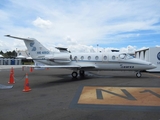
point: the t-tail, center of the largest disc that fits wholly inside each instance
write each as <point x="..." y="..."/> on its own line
<point x="35" y="48"/>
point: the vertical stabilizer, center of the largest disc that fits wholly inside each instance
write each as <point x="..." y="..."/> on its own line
<point x="35" y="48"/>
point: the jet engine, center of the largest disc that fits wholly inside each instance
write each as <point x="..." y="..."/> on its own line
<point x="60" y="58"/>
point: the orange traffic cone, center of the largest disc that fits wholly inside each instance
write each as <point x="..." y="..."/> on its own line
<point x="31" y="69"/>
<point x="12" y="70"/>
<point x="23" y="68"/>
<point x="26" y="84"/>
<point x="11" y="78"/>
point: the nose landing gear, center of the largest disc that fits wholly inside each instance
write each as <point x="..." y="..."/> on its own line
<point x="81" y="73"/>
<point x="138" y="74"/>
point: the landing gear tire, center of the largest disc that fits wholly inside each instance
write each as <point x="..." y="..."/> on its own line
<point x="74" y="74"/>
<point x="138" y="75"/>
<point x="81" y="73"/>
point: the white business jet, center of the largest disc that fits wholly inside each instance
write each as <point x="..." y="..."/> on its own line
<point x="83" y="61"/>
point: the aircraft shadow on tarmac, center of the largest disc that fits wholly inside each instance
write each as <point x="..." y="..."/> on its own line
<point x="91" y="75"/>
<point x="62" y="79"/>
<point x="88" y="75"/>
<point x="67" y="78"/>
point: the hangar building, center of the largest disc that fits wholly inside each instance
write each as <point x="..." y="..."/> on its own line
<point x="10" y="61"/>
<point x="152" y="55"/>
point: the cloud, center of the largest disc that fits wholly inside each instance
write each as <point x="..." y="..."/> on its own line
<point x="82" y="24"/>
<point x="39" y="22"/>
<point x="129" y="49"/>
<point x="71" y="41"/>
<point x="4" y="14"/>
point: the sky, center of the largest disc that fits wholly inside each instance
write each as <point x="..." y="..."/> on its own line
<point x="81" y="25"/>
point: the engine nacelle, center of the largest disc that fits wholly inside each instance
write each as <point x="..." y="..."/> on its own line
<point x="60" y="58"/>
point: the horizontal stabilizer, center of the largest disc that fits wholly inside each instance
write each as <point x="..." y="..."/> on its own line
<point x="61" y="49"/>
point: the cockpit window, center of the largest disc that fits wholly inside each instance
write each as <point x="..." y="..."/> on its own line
<point x="125" y="56"/>
<point x="122" y="56"/>
<point x="129" y="56"/>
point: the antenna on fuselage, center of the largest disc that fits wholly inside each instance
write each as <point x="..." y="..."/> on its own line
<point x="97" y="48"/>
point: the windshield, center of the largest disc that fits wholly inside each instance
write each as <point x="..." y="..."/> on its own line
<point x="125" y="56"/>
<point x="129" y="56"/>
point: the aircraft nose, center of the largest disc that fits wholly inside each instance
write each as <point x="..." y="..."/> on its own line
<point x="153" y="66"/>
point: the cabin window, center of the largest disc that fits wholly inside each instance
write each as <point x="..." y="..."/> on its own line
<point x="89" y="57"/>
<point x="82" y="57"/>
<point x="96" y="57"/>
<point x="113" y="57"/>
<point x="105" y="58"/>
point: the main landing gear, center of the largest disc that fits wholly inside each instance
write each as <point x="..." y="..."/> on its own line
<point x="75" y="73"/>
<point x="138" y="74"/>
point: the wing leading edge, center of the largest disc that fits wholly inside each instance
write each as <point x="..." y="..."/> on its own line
<point x="66" y="66"/>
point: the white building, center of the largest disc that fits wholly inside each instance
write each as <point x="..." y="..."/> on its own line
<point x="10" y="61"/>
<point x="1" y="56"/>
<point x="152" y="55"/>
<point x="23" y="54"/>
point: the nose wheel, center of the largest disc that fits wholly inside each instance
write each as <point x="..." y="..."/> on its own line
<point x="138" y="74"/>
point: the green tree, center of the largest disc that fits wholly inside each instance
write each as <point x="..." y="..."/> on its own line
<point x="10" y="54"/>
<point x="1" y="52"/>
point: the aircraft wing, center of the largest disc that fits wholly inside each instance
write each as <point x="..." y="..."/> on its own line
<point x="67" y="66"/>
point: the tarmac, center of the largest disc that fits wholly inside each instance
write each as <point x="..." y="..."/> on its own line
<point x="103" y="95"/>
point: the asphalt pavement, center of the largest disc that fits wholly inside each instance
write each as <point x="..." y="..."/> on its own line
<point x="55" y="95"/>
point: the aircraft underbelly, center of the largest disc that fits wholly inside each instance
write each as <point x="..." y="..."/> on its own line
<point x="120" y="66"/>
<point x="108" y="66"/>
<point x="93" y="66"/>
